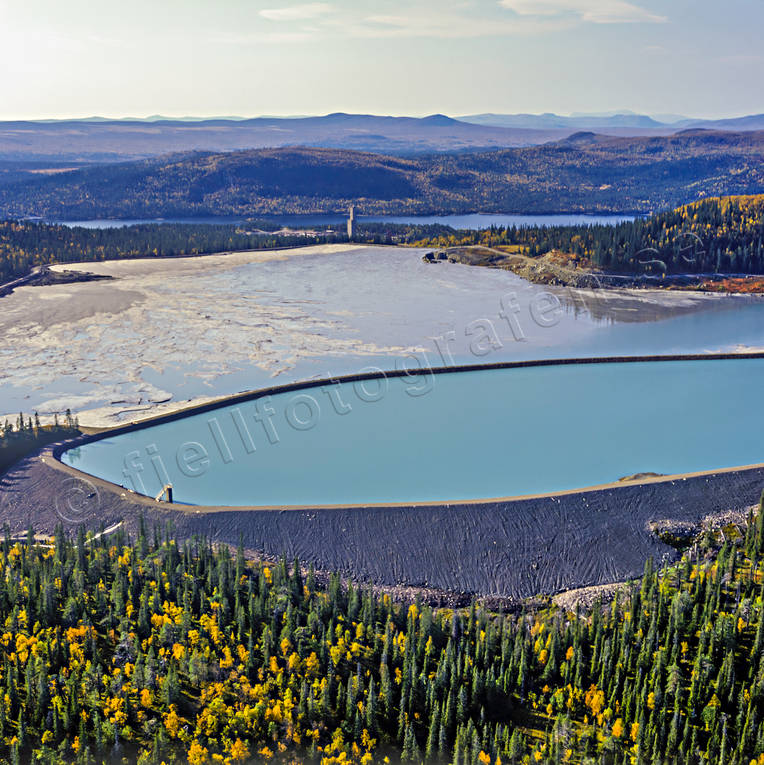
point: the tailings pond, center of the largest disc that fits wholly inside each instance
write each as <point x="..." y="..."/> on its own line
<point x="448" y="437"/>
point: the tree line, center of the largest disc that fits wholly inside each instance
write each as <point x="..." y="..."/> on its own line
<point x="27" y="434"/>
<point x="720" y="235"/>
<point x="151" y="650"/>
<point x="25" y="244"/>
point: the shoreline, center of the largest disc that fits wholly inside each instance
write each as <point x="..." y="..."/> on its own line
<point x="511" y="550"/>
<point x="51" y="457"/>
<point x="108" y="418"/>
<point x="636" y="480"/>
<point x="543" y="270"/>
<point x="579" y="279"/>
<point x="136" y="279"/>
<point x="37" y="272"/>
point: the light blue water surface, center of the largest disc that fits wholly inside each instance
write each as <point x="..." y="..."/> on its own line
<point x="448" y="437"/>
<point x="464" y="221"/>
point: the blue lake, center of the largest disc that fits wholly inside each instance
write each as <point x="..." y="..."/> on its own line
<point x="447" y="437"/>
<point x="466" y="221"/>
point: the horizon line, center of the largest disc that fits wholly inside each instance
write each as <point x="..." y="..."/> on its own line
<point x="598" y="114"/>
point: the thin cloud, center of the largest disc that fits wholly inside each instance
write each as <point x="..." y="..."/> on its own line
<point x="460" y="21"/>
<point x="258" y="38"/>
<point x="594" y="11"/>
<point x="443" y="25"/>
<point x="391" y="26"/>
<point x="297" y="12"/>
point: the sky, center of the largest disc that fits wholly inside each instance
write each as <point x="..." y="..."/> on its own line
<point x="700" y="58"/>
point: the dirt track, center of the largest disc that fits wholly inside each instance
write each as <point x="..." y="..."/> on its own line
<point x="513" y="549"/>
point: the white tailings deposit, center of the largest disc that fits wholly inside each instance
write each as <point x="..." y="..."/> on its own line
<point x="164" y="333"/>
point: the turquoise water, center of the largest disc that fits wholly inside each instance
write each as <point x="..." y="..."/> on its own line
<point x="454" y="436"/>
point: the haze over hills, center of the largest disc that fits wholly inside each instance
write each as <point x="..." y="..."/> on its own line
<point x="585" y="172"/>
<point x="115" y="140"/>
<point x="614" y="121"/>
<point x="550" y="121"/>
<point x="98" y="139"/>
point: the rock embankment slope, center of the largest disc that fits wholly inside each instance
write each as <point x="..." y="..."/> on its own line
<point x="512" y="549"/>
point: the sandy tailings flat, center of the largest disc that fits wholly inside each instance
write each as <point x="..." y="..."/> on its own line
<point x="89" y="346"/>
<point x="165" y="332"/>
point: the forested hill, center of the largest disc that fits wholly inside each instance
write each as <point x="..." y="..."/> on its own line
<point x="156" y="652"/>
<point x="718" y="235"/>
<point x="585" y="172"/>
<point x="715" y="235"/>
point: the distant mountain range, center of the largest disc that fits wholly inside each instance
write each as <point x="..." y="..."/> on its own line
<point x="98" y="139"/>
<point x="584" y="172"/>
<point x="557" y="122"/>
<point x="618" y="121"/>
<point x="116" y="140"/>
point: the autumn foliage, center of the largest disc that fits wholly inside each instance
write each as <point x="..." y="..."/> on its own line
<point x="150" y="651"/>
